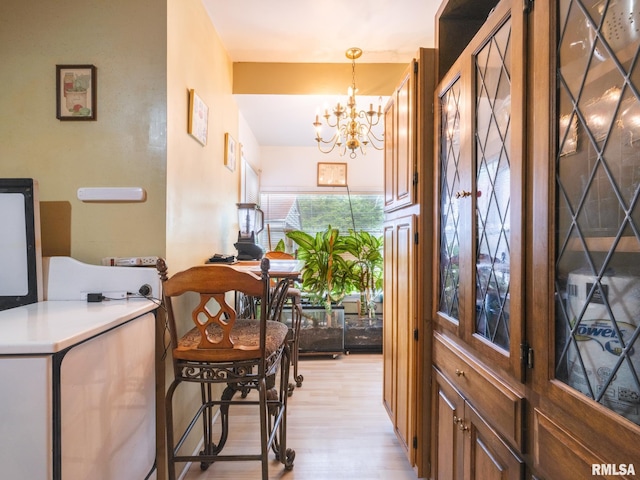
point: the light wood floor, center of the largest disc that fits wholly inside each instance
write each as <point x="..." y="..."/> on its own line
<point x="336" y="424"/>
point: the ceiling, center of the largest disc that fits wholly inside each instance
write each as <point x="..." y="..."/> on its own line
<point x="319" y="31"/>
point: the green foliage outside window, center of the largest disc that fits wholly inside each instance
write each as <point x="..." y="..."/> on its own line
<point x="318" y="211"/>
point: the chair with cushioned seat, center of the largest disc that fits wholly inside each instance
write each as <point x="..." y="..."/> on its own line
<point x="236" y="355"/>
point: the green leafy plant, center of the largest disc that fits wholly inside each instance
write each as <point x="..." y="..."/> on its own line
<point x="366" y="270"/>
<point x="326" y="274"/>
<point x="280" y="247"/>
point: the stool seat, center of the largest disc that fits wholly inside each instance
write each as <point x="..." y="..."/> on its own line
<point x="245" y="336"/>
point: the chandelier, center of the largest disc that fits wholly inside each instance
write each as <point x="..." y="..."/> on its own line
<point x="351" y="128"/>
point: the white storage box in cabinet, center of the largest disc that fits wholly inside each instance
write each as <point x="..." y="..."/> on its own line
<point x="605" y="326"/>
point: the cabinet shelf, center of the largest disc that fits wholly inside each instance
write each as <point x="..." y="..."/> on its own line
<point x="604" y="244"/>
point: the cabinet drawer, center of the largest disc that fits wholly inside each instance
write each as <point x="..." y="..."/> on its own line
<point x="501" y="406"/>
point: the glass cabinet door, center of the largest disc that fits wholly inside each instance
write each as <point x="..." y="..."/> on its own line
<point x="481" y="158"/>
<point x="449" y="300"/>
<point x="493" y="188"/>
<point x="597" y="234"/>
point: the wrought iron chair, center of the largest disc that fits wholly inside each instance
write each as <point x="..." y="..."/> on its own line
<point x="294" y="295"/>
<point x="237" y="354"/>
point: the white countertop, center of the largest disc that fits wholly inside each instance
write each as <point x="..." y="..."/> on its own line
<point x="51" y="326"/>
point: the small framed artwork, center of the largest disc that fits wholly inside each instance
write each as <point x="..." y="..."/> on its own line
<point x="76" y="92"/>
<point x="332" y="174"/>
<point x="230" y="152"/>
<point x="198" y="118"/>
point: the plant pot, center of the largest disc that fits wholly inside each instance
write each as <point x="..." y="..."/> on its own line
<point x="363" y="333"/>
<point x="319" y="332"/>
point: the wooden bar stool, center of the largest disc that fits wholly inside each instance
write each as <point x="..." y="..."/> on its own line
<point x="238" y="354"/>
<point x="295" y="297"/>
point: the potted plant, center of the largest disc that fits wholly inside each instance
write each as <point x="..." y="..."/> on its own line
<point x="324" y="281"/>
<point x="365" y="271"/>
<point x="326" y="273"/>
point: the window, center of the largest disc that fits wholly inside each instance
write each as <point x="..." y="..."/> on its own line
<point x="312" y="212"/>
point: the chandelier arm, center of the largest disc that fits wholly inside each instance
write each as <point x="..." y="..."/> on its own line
<point x="329" y="150"/>
<point x="373" y="136"/>
<point x="332" y="148"/>
<point x="334" y="142"/>
<point x="366" y="116"/>
<point x="341" y="131"/>
<point x="329" y="124"/>
<point x="331" y="141"/>
<point x="372" y="123"/>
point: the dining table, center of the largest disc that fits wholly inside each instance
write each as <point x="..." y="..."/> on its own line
<point x="278" y="269"/>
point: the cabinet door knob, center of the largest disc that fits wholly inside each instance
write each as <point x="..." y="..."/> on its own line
<point x="463" y="194"/>
<point x="462" y="426"/>
<point x="459" y="372"/>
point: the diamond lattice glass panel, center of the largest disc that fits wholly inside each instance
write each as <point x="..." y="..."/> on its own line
<point x="597" y="286"/>
<point x="449" y="185"/>
<point x="575" y="34"/>
<point x="493" y="184"/>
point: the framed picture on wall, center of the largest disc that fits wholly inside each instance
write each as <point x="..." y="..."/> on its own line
<point x="198" y="117"/>
<point x="230" y="152"/>
<point x="76" y="92"/>
<point x="332" y="174"/>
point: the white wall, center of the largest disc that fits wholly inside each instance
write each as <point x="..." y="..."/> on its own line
<point x="295" y="169"/>
<point x="250" y="147"/>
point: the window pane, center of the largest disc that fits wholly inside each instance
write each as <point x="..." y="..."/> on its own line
<point x="312" y="213"/>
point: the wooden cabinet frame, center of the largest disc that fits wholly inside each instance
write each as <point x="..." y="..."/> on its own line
<point x="560" y="416"/>
<point x="408" y="256"/>
<point x="563" y="432"/>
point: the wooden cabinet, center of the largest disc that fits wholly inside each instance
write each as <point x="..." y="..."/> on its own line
<point x="407" y="257"/>
<point x="400" y="143"/>
<point x="479" y="335"/>
<point x="468" y="448"/>
<point x="480" y="191"/>
<point x="536" y="244"/>
<point x="479" y="311"/>
<point x="399" y="356"/>
<point x="584" y="252"/>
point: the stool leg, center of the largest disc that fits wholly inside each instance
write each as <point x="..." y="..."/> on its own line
<point x="171" y="464"/>
<point x="296" y="320"/>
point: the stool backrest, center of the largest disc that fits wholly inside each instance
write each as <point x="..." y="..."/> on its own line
<point x="215" y="284"/>
<point x="273" y="254"/>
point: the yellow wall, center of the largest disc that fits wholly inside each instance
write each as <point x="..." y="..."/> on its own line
<point x="125" y="146"/>
<point x="146" y="62"/>
<point x="148" y="54"/>
<point x="202" y="192"/>
<point x="315" y="78"/>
